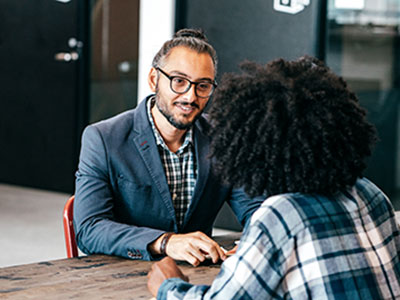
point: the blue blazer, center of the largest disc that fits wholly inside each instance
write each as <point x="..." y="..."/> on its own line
<point x="122" y="200"/>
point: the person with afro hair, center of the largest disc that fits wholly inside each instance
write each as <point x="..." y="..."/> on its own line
<point x="294" y="132"/>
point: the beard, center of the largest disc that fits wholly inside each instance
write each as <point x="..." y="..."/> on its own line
<point x="162" y="107"/>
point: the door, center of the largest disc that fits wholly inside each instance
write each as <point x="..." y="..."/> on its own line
<point x="42" y="112"/>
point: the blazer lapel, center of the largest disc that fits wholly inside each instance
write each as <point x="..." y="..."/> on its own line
<point x="145" y="143"/>
<point x="203" y="163"/>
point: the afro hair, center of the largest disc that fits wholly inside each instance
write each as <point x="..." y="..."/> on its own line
<point x="288" y="126"/>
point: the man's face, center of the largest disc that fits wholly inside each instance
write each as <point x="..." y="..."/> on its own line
<point x="181" y="110"/>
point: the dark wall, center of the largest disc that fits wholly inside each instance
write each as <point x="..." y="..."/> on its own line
<point x="253" y="30"/>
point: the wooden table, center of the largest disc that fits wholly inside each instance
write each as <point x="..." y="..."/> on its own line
<point x="93" y="277"/>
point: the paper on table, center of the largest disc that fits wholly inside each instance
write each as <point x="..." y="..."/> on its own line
<point x="230" y="252"/>
<point x="227" y="252"/>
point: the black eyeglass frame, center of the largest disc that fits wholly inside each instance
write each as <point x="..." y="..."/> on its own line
<point x="213" y="83"/>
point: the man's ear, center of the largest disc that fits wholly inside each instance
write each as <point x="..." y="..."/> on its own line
<point x="152" y="79"/>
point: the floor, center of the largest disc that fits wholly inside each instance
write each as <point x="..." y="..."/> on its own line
<point x="31" y="227"/>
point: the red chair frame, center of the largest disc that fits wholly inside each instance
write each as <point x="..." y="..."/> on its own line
<point x="69" y="232"/>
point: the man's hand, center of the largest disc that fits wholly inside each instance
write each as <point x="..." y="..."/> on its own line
<point x="164" y="269"/>
<point x="192" y="247"/>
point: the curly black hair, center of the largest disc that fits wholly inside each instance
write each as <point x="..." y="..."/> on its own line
<point x="288" y="126"/>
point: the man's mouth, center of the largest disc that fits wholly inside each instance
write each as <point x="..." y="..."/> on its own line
<point x="187" y="108"/>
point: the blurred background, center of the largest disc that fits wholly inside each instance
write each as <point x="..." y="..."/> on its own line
<point x="68" y="63"/>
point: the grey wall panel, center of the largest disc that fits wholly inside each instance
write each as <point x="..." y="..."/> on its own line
<point x="253" y="30"/>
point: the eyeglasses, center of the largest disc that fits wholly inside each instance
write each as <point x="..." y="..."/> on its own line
<point x="181" y="85"/>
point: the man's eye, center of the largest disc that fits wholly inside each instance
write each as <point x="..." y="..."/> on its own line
<point x="179" y="81"/>
<point x="204" y="86"/>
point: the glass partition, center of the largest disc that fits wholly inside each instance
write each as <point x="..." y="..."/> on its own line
<point x="363" y="46"/>
<point x="114" y="37"/>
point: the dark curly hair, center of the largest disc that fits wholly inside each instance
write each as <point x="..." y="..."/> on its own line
<point x="289" y="126"/>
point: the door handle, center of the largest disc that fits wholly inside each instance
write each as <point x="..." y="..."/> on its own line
<point x="66" y="56"/>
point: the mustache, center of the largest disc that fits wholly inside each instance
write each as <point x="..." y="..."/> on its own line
<point x="187" y="103"/>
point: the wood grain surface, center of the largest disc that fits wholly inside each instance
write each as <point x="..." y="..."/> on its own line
<point x="92" y="277"/>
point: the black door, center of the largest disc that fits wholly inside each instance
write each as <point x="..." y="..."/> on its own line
<point x="42" y="107"/>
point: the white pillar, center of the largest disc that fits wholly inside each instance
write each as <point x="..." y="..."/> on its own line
<point x="156" y="25"/>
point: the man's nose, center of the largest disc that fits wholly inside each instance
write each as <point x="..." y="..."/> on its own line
<point x="190" y="95"/>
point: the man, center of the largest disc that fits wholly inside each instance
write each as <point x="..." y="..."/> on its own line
<point x="298" y="135"/>
<point x="144" y="186"/>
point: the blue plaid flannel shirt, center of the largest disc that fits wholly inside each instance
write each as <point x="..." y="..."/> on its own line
<point x="300" y="246"/>
<point x="180" y="168"/>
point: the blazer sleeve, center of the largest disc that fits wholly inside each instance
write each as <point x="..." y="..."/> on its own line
<point x="96" y="229"/>
<point x="243" y="206"/>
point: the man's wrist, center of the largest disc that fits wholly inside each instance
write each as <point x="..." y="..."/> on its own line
<point x="155" y="246"/>
<point x="164" y="242"/>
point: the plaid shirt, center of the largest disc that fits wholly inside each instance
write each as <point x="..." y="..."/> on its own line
<point x="179" y="168"/>
<point x="310" y="247"/>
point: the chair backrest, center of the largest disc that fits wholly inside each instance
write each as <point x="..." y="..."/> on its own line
<point x="69" y="232"/>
